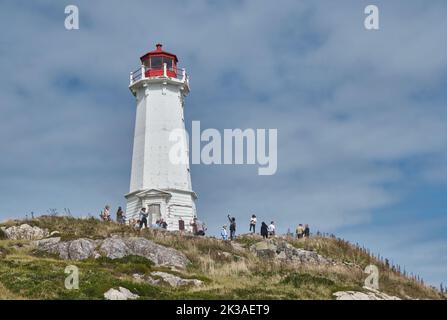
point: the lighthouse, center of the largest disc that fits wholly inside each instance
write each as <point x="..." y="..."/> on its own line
<point x="161" y="186"/>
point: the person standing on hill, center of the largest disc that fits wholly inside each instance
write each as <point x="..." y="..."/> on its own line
<point x="193" y="224"/>
<point x="306" y="231"/>
<point x="232" y="227"/>
<point x="143" y="218"/>
<point x="224" y="233"/>
<point x="272" y="229"/>
<point x="105" y="214"/>
<point x="201" y="228"/>
<point x="253" y="223"/>
<point x="299" y="231"/>
<point x="120" y="215"/>
<point x="264" y="230"/>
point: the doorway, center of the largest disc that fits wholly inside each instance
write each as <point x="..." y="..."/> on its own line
<point x="154" y="213"/>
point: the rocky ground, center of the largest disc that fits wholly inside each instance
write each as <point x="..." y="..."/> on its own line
<point x="116" y="262"/>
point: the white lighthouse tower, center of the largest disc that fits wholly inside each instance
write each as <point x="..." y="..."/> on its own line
<point x="159" y="185"/>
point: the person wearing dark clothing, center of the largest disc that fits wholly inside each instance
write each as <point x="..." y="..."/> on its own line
<point x="201" y="228"/>
<point x="198" y="227"/>
<point x="306" y="231"/>
<point x="232" y="227"/>
<point x="264" y="230"/>
<point x="162" y="223"/>
<point x="120" y="215"/>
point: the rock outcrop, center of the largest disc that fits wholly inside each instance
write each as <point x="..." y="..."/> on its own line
<point x="120" y="294"/>
<point x="157" y="277"/>
<point x="282" y="251"/>
<point x="148" y="279"/>
<point x="25" y="232"/>
<point x="176" y="281"/>
<point x="113" y="248"/>
<point x="370" y="294"/>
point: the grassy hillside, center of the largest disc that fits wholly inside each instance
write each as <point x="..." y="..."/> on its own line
<point x="229" y="270"/>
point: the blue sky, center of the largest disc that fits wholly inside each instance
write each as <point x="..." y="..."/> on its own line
<point x="361" y="115"/>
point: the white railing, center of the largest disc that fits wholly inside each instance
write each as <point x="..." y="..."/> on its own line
<point x="164" y="72"/>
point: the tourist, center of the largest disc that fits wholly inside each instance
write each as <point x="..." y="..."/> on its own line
<point x="201" y="228"/>
<point x="299" y="231"/>
<point x="264" y="230"/>
<point x="271" y="229"/>
<point x="193" y="224"/>
<point x="105" y="214"/>
<point x="224" y="233"/>
<point x="143" y="218"/>
<point x="134" y="223"/>
<point x="198" y="227"/>
<point x="253" y="223"/>
<point x="232" y="227"/>
<point x="306" y="231"/>
<point x="120" y="215"/>
<point x="163" y="224"/>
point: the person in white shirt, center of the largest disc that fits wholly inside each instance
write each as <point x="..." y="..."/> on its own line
<point x="105" y="214"/>
<point x="143" y="217"/>
<point x="224" y="233"/>
<point x="253" y="223"/>
<point x="271" y="229"/>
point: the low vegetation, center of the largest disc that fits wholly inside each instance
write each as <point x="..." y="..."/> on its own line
<point x="228" y="270"/>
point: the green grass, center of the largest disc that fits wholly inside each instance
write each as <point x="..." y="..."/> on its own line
<point x="301" y="279"/>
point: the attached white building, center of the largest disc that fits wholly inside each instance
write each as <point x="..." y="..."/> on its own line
<point x="158" y="184"/>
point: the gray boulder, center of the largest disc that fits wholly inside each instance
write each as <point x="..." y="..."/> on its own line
<point x="175" y="281"/>
<point x="264" y="249"/>
<point x="148" y="279"/>
<point x="158" y="254"/>
<point x="369" y="294"/>
<point x="158" y="277"/>
<point x="120" y="294"/>
<point x="25" y="232"/>
<point x="81" y="249"/>
<point x="113" y="248"/>
<point x="283" y="251"/>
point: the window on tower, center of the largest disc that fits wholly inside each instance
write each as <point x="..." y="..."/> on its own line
<point x="156" y="62"/>
<point x="168" y="62"/>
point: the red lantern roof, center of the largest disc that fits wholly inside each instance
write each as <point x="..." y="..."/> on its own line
<point x="159" y="52"/>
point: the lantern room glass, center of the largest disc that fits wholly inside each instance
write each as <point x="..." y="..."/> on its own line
<point x="168" y="62"/>
<point x="156" y="62"/>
